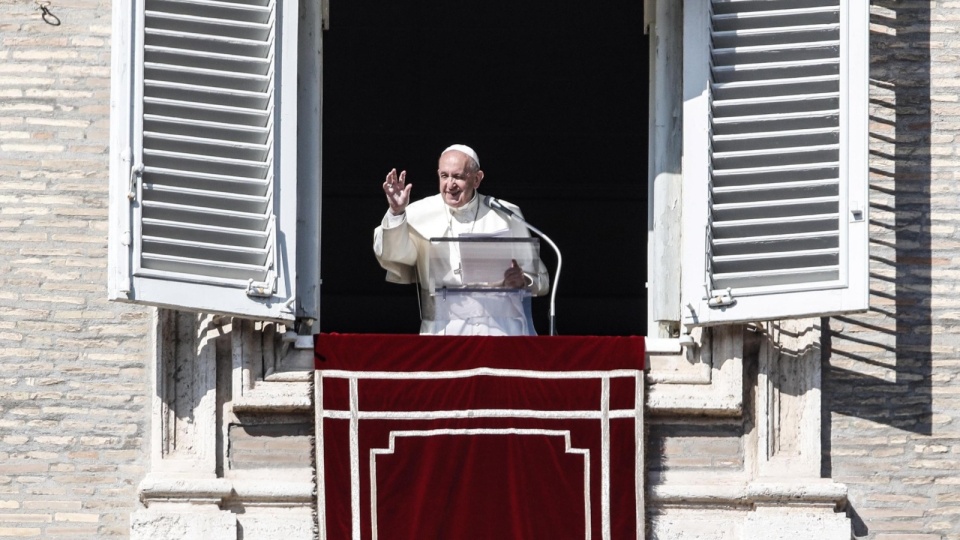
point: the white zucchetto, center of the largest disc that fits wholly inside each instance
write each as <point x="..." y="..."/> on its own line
<point x="464" y="149"/>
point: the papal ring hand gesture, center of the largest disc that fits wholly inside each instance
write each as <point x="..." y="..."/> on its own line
<point x="397" y="191"/>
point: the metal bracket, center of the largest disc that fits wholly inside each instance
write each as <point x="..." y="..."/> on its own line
<point x="721" y="299"/>
<point x="263" y="289"/>
<point x="135" y="172"/>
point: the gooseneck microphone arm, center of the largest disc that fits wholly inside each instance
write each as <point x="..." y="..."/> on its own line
<point x="497" y="205"/>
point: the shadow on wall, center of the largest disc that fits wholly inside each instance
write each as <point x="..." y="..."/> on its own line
<point x="881" y="362"/>
<point x="880" y="369"/>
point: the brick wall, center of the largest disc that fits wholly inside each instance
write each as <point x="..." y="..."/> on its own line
<point x="73" y="384"/>
<point x="892" y="384"/>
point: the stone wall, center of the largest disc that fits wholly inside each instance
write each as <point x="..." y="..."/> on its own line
<point x="892" y="383"/>
<point x="73" y="386"/>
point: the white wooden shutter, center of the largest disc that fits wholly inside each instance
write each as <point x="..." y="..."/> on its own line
<point x="204" y="176"/>
<point x="775" y="159"/>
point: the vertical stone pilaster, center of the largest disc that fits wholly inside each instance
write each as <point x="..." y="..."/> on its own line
<point x="790" y="499"/>
<point x="788" y="401"/>
<point x="185" y="394"/>
<point x="182" y="494"/>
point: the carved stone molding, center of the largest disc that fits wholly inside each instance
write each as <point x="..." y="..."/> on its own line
<point x="204" y="365"/>
<point x="778" y="492"/>
<point x="268" y="372"/>
<point x="705" y="378"/>
<point x="788" y="400"/>
<point x="185" y="395"/>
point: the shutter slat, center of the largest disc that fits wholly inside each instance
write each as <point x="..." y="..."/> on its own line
<point x="188" y="165"/>
<point x="187" y="214"/>
<point x="205" y="232"/>
<point x="220" y="149"/>
<point x="186" y="249"/>
<point x="785" y="172"/>
<point x="719" y="70"/>
<point x="199" y="76"/>
<point x="213" y="112"/>
<point x="782" y="209"/>
<point x="747" y="37"/>
<point x="788" y="220"/>
<point x="255" y="26"/>
<point x="767" y="192"/>
<point x="245" y="250"/>
<point x="209" y="130"/>
<point x="185" y="58"/>
<point x="208" y="42"/>
<point x="231" y="10"/>
<point x="799" y="48"/>
<point x="208" y="181"/>
<point x="775" y="18"/>
<point x="744" y="228"/>
<point x="770" y="88"/>
<point x="745" y="13"/>
<point x="784" y="117"/>
<point x="204" y="164"/>
<point x="777" y="100"/>
<point x="222" y="200"/>
<point x="773" y="256"/>
<point x="220" y="269"/>
<point x="747" y="141"/>
<point x="771" y="157"/>
<point x="832" y="130"/>
<point x="774" y="243"/>
<point x="163" y="90"/>
<point x="192" y="26"/>
<point x="792" y="276"/>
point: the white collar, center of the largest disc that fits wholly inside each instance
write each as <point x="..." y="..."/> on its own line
<point x="467" y="211"/>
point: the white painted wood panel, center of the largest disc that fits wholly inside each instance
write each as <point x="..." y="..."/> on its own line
<point x="774" y="170"/>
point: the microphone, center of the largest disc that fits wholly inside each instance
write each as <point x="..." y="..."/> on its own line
<point x="499" y="206"/>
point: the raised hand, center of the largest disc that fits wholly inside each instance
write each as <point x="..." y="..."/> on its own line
<point x="397" y="191"/>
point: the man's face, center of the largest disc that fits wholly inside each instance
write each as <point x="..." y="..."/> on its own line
<point x="458" y="180"/>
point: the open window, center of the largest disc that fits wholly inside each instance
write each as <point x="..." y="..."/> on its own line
<point x="215" y="150"/>
<point x="774" y="159"/>
<point x="214" y="207"/>
<point x="215" y="160"/>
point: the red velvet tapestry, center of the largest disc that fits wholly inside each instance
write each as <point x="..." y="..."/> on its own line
<point x="425" y="437"/>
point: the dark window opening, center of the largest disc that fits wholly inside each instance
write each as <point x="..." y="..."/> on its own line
<point x="553" y="97"/>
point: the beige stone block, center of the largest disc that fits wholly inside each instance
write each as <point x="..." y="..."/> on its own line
<point x="896" y="536"/>
<point x="17" y="532"/>
<point x="208" y="525"/>
<point x="25" y="518"/>
<point x="76" y="517"/>
<point x="880" y="513"/>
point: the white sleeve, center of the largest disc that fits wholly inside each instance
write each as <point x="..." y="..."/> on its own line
<point x="391" y="221"/>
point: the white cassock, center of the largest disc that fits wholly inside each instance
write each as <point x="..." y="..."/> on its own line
<point x="402" y="246"/>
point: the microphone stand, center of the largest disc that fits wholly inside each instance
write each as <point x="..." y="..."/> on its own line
<point x="497" y="205"/>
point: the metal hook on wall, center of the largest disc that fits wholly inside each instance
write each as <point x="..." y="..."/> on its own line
<point x="47" y="16"/>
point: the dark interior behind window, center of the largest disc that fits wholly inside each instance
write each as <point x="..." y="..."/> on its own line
<point x="551" y="94"/>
